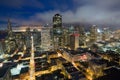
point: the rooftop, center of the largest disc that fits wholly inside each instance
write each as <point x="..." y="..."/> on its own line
<point x="3" y="71"/>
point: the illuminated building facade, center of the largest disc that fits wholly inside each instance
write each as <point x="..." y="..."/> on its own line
<point x="57" y="21"/>
<point x="20" y="40"/>
<point x="10" y="42"/>
<point x="45" y="39"/>
<point x="37" y="37"/>
<point x="66" y="37"/>
<point x="93" y="33"/>
<point x="82" y="37"/>
<point x="28" y="38"/>
<point x="57" y="31"/>
<point x="106" y="34"/>
<point x="2" y="47"/>
<point x="74" y="41"/>
<point x="9" y="29"/>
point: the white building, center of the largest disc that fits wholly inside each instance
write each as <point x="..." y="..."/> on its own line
<point x="45" y="39"/>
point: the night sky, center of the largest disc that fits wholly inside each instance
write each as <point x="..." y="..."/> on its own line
<point x="26" y="12"/>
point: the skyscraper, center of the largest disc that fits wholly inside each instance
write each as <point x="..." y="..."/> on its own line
<point x="2" y="47"/>
<point x="57" y="25"/>
<point x="66" y="37"/>
<point x="28" y="38"/>
<point x="82" y="37"/>
<point x="45" y="39"/>
<point x="57" y="31"/>
<point x="93" y="33"/>
<point x="9" y="29"/>
<point x="36" y="36"/>
<point x="57" y="21"/>
<point x="9" y="25"/>
<point x="106" y="34"/>
<point x="74" y="41"/>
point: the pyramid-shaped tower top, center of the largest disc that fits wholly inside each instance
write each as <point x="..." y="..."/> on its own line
<point x="9" y="25"/>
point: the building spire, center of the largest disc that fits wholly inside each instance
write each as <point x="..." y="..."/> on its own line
<point x="9" y="25"/>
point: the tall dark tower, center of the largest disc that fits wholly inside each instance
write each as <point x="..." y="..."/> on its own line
<point x="57" y="21"/>
<point x="57" y="25"/>
<point x="9" y="26"/>
<point x="57" y="31"/>
<point x="9" y="29"/>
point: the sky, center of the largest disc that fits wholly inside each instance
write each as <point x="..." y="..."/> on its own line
<point x="25" y="12"/>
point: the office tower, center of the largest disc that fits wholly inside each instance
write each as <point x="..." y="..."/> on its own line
<point x="81" y="31"/>
<point x="45" y="39"/>
<point x="10" y="45"/>
<point x="82" y="37"/>
<point x="19" y="39"/>
<point x="37" y="39"/>
<point x="36" y="36"/>
<point x="28" y="38"/>
<point x="93" y="33"/>
<point x="106" y="34"/>
<point x="2" y="47"/>
<point x="71" y="29"/>
<point x="57" y="25"/>
<point x="66" y="37"/>
<point x="9" y="29"/>
<point x="57" y="21"/>
<point x="57" y="31"/>
<point x="74" y="41"/>
<point x="9" y="26"/>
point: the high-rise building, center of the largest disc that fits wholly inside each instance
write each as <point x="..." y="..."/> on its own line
<point x="9" y="29"/>
<point x="57" y="25"/>
<point x="37" y="37"/>
<point x="45" y="39"/>
<point x="57" y="21"/>
<point x="82" y="37"/>
<point x="106" y="34"/>
<point x="2" y="47"/>
<point x="71" y="29"/>
<point x="20" y="40"/>
<point x="74" y="41"/>
<point x="66" y="37"/>
<point x="57" y="31"/>
<point x="93" y="33"/>
<point x="28" y="38"/>
<point x="10" y="45"/>
<point x="9" y="25"/>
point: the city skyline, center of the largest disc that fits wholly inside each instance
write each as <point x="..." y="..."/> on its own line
<point x="59" y="53"/>
<point x="103" y="12"/>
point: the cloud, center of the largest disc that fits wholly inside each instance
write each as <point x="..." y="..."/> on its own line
<point x="98" y="12"/>
<point x="21" y="3"/>
<point x="93" y="12"/>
